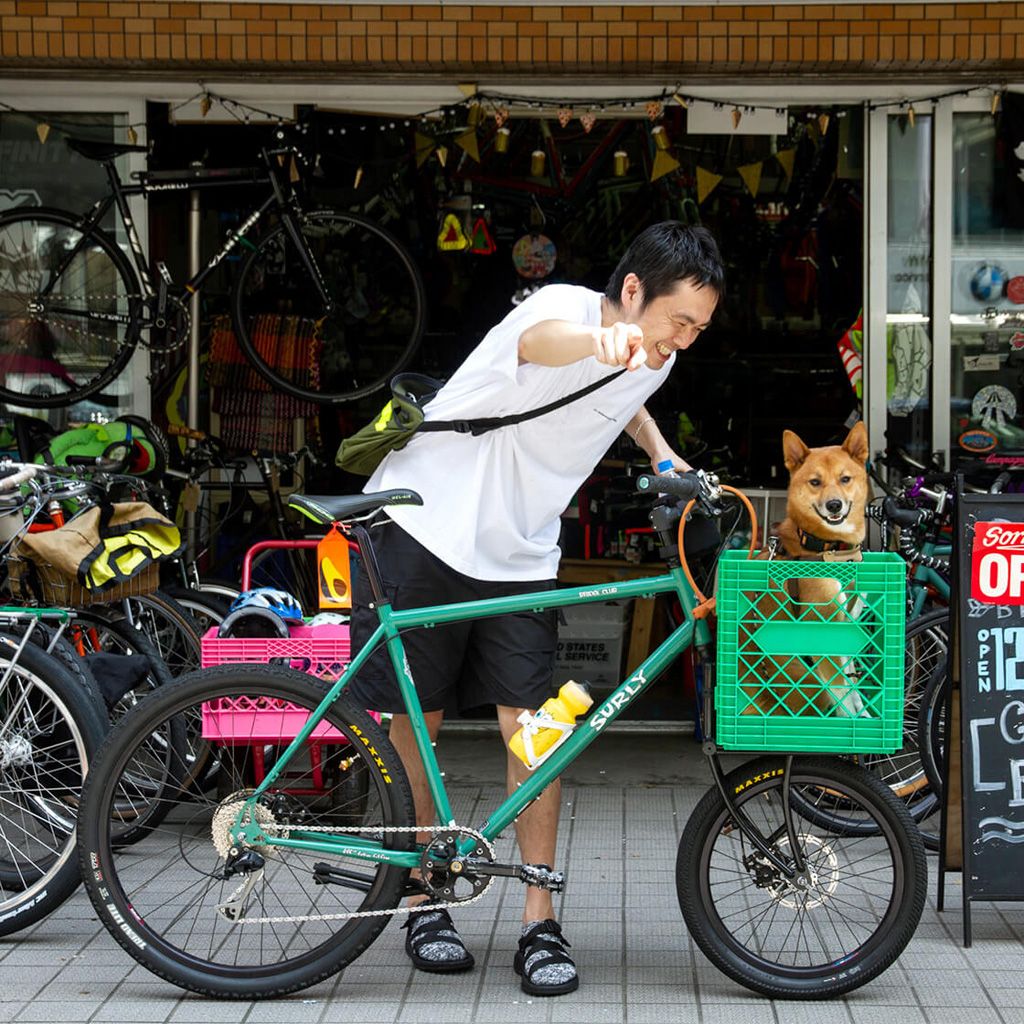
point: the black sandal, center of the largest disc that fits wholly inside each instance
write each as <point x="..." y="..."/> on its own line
<point x="545" y="946"/>
<point x="430" y="926"/>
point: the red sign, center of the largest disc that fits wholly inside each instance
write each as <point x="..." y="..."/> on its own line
<point x="1015" y="290"/>
<point x="997" y="563"/>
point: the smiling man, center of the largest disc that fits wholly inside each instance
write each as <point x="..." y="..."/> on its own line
<point x="489" y="526"/>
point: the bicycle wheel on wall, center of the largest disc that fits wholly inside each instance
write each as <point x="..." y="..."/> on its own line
<point x="70" y="309"/>
<point x="290" y="926"/>
<point x="351" y="350"/>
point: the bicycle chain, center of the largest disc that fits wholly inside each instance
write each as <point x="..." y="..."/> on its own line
<point x="391" y="912"/>
<point x="182" y="308"/>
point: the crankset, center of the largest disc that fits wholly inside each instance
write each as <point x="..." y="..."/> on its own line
<point x="166" y="327"/>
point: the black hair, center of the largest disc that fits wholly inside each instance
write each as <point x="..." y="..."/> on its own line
<point x="665" y="254"/>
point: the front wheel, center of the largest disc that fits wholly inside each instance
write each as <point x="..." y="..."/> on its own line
<point x="281" y="921"/>
<point x="342" y="351"/>
<point x="815" y="936"/>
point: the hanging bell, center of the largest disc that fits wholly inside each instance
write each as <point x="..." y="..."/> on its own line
<point x="620" y="163"/>
<point x="537" y="160"/>
<point x="501" y="140"/>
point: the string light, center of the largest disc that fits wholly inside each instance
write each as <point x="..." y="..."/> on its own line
<point x="245" y="112"/>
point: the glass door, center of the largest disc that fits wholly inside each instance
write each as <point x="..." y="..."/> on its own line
<point x="986" y="294"/>
<point x="908" y="319"/>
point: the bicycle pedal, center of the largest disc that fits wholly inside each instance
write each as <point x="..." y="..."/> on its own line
<point x="540" y="876"/>
<point x="165" y="274"/>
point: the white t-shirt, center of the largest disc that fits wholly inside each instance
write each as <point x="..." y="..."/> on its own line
<point x="491" y="504"/>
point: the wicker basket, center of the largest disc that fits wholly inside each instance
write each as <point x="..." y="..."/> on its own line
<point x="39" y="583"/>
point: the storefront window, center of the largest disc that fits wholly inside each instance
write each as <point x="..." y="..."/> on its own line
<point x="908" y="299"/>
<point x="38" y="169"/>
<point x="987" y="300"/>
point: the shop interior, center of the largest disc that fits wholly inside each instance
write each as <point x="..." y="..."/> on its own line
<point x="492" y="199"/>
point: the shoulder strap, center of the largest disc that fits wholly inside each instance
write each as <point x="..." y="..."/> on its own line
<point x="482" y="426"/>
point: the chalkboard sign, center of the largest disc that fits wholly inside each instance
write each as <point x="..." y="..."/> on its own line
<point x="990" y="642"/>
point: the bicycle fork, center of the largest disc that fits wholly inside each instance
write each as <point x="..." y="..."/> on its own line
<point x="794" y="870"/>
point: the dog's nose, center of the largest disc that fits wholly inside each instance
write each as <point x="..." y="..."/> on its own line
<point x="834" y="506"/>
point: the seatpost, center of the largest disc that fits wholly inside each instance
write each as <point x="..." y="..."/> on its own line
<point x="369" y="560"/>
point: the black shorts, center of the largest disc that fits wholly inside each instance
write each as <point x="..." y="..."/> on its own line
<point x="502" y="659"/>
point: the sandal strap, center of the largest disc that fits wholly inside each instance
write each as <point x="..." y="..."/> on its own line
<point x="544" y="955"/>
<point x="537" y="933"/>
<point x="435" y="919"/>
<point x="543" y="946"/>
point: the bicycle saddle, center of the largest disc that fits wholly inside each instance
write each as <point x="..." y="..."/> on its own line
<point x="325" y="509"/>
<point x="103" y="150"/>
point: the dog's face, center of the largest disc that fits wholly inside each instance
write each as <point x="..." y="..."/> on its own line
<point x="828" y="487"/>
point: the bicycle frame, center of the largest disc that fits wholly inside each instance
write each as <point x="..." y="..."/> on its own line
<point x="388" y="631"/>
<point x="281" y="197"/>
<point x="921" y="578"/>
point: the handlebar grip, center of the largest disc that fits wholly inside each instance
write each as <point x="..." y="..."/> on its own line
<point x="902" y="516"/>
<point x="685" y="487"/>
<point x="179" y="430"/>
<point x="18" y="477"/>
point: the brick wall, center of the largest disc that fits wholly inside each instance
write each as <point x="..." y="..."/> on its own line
<point x="355" y="39"/>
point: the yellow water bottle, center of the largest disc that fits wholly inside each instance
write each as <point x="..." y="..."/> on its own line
<point x="550" y="725"/>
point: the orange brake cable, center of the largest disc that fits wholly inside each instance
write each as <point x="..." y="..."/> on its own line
<point x="705" y="605"/>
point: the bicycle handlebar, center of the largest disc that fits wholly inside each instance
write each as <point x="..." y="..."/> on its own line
<point x="903" y="516"/>
<point x="686" y="487"/>
<point x="15" y="474"/>
<point x="179" y="430"/>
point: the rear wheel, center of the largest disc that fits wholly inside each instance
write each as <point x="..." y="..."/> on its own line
<point x="815" y="936"/>
<point x="70" y="309"/>
<point x="289" y="928"/>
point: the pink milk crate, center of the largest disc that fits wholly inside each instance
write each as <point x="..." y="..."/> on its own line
<point x="322" y="651"/>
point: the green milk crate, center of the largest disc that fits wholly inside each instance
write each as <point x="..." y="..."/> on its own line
<point x="823" y="678"/>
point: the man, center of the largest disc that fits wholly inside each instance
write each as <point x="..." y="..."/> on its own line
<point x="489" y="526"/>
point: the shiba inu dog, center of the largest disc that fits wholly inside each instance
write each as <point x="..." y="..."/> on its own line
<point x="825" y="521"/>
<point x="827" y="495"/>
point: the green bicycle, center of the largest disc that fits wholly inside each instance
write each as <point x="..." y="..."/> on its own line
<point x="799" y="877"/>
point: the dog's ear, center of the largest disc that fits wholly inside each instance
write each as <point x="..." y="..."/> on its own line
<point x="794" y="451"/>
<point x="856" y="443"/>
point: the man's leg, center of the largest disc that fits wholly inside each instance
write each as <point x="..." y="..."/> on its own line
<point x="537" y="826"/>
<point x="432" y="942"/>
<point x="401" y="736"/>
<point x="543" y="960"/>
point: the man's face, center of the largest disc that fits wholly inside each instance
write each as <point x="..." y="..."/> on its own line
<point x="670" y="322"/>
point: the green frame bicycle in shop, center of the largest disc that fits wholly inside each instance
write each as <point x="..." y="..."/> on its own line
<point x="789" y="838"/>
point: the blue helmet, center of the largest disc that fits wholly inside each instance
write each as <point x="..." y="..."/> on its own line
<point x="280" y="602"/>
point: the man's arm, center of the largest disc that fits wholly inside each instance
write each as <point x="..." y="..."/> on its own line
<point x="559" y="342"/>
<point x="644" y="432"/>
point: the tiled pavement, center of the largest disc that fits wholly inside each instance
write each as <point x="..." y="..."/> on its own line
<point x="620" y="912"/>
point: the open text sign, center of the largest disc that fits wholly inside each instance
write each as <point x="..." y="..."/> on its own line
<point x="997" y="563"/>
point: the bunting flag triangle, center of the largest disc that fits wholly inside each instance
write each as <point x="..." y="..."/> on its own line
<point x="751" y="175"/>
<point x="664" y="163"/>
<point x="424" y="147"/>
<point x="706" y="184"/>
<point x="451" y="237"/>
<point x="786" y="158"/>
<point x="467" y="141"/>
<point x="481" y="241"/>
